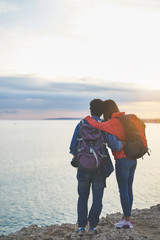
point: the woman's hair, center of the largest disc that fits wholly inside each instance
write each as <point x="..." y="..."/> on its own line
<point x="109" y="107"/>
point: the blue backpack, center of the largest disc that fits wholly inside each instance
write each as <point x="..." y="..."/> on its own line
<point x="90" y="152"/>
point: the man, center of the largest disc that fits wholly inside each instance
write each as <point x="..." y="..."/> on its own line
<point x="95" y="178"/>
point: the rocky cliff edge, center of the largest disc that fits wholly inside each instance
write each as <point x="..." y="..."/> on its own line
<point x="146" y="226"/>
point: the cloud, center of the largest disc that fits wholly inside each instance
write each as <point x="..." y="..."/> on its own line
<point x="8" y="112"/>
<point x="26" y="92"/>
<point x="80" y="38"/>
<point x="88" y="49"/>
<point x="58" y="17"/>
<point x="6" y="7"/>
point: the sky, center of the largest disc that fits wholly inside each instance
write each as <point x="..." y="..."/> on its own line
<point x="58" y="55"/>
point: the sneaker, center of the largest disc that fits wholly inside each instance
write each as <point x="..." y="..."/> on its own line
<point x="92" y="231"/>
<point x="80" y="231"/>
<point x="124" y="224"/>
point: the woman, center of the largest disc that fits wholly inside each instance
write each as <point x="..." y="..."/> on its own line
<point x="125" y="168"/>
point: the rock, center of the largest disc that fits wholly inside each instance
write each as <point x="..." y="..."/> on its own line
<point x="146" y="227"/>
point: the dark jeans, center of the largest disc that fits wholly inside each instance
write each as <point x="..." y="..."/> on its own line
<point x="85" y="180"/>
<point x="125" y="170"/>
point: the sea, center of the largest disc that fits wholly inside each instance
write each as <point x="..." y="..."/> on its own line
<point x="38" y="185"/>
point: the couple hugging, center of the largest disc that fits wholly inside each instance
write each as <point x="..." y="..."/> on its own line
<point x="113" y="135"/>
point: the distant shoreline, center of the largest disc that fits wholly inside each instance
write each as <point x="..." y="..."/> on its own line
<point x="67" y="118"/>
<point x="151" y="120"/>
<point x="144" y="120"/>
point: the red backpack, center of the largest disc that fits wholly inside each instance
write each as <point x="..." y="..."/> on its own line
<point x="135" y="138"/>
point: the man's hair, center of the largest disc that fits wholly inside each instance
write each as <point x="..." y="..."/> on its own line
<point x="96" y="107"/>
<point x="109" y="107"/>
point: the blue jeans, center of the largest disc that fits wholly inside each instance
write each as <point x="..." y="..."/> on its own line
<point x="85" y="180"/>
<point x="125" y="170"/>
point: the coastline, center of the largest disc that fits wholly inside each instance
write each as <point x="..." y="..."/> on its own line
<point x="146" y="120"/>
<point x="146" y="226"/>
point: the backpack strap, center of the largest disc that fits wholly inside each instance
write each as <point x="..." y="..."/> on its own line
<point x="94" y="153"/>
<point x="80" y="139"/>
<point x="82" y="122"/>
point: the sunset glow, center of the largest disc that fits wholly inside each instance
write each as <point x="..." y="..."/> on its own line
<point x="58" y="54"/>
